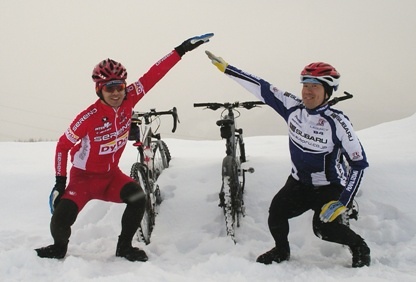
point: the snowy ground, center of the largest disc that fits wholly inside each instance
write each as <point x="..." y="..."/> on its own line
<point x="189" y="242"/>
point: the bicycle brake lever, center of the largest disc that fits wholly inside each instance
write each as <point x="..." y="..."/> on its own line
<point x="216" y="106"/>
<point x="175" y="119"/>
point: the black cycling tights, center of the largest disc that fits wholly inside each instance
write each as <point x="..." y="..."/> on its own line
<point x="296" y="198"/>
<point x="66" y="213"/>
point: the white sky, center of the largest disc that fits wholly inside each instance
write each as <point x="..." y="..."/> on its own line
<point x="49" y="48"/>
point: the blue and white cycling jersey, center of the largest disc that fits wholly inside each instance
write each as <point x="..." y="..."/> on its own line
<point x="324" y="148"/>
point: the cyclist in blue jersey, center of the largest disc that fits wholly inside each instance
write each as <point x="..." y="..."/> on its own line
<point x="328" y="159"/>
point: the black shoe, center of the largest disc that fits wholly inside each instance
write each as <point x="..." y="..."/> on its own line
<point x="274" y="255"/>
<point x="125" y="250"/>
<point x="52" y="251"/>
<point x="360" y="255"/>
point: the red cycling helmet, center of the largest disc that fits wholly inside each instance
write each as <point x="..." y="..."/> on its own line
<point x="322" y="72"/>
<point x="108" y="70"/>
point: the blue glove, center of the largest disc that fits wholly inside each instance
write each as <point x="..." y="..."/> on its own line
<point x="192" y="43"/>
<point x="57" y="192"/>
<point x="331" y="211"/>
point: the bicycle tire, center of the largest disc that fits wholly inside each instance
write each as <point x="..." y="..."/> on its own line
<point x="160" y="161"/>
<point x="167" y="152"/>
<point x="231" y="195"/>
<point x="241" y="156"/>
<point x="144" y="232"/>
<point x="240" y="147"/>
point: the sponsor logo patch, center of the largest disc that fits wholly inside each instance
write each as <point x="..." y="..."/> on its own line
<point x="113" y="146"/>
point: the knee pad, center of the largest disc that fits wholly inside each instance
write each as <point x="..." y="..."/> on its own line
<point x="132" y="193"/>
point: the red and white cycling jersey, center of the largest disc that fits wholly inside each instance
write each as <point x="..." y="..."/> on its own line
<point x="98" y="135"/>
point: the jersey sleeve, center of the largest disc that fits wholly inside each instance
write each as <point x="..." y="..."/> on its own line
<point x="65" y="143"/>
<point x="355" y="155"/>
<point x="138" y="89"/>
<point x="63" y="147"/>
<point x="276" y="98"/>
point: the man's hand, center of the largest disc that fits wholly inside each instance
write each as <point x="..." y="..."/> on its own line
<point x="57" y="192"/>
<point x="193" y="42"/>
<point x="217" y="61"/>
<point x="331" y="211"/>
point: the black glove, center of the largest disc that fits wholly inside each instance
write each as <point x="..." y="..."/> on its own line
<point x="192" y="43"/>
<point x="57" y="192"/>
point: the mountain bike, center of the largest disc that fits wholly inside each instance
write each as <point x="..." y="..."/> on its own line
<point x="233" y="176"/>
<point x="153" y="157"/>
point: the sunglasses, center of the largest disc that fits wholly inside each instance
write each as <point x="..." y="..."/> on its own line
<point x="113" y="87"/>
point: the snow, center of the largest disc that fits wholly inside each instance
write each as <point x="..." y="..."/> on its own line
<point x="189" y="242"/>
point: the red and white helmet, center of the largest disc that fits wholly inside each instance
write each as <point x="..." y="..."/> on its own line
<point x="108" y="70"/>
<point x="322" y="72"/>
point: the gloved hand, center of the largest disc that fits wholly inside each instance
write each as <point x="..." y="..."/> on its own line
<point x="331" y="211"/>
<point x="57" y="192"/>
<point x="217" y="61"/>
<point x="192" y="43"/>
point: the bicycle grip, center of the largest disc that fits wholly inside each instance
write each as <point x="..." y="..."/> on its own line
<point x="251" y="104"/>
<point x="201" y="105"/>
<point x="211" y="106"/>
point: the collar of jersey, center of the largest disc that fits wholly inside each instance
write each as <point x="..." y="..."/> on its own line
<point x="317" y="110"/>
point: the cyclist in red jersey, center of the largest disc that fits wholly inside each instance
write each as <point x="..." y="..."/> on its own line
<point x="95" y="141"/>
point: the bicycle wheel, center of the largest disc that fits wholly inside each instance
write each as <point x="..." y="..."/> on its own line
<point x="240" y="148"/>
<point x="161" y="158"/>
<point x="240" y="156"/>
<point x="138" y="173"/>
<point x="231" y="195"/>
<point x="167" y="152"/>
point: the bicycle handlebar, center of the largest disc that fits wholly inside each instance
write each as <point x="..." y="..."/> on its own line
<point x="153" y="112"/>
<point x="251" y="104"/>
<point x="339" y="99"/>
<point x="215" y="106"/>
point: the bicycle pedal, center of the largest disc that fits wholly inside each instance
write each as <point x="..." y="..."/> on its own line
<point x="250" y="170"/>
